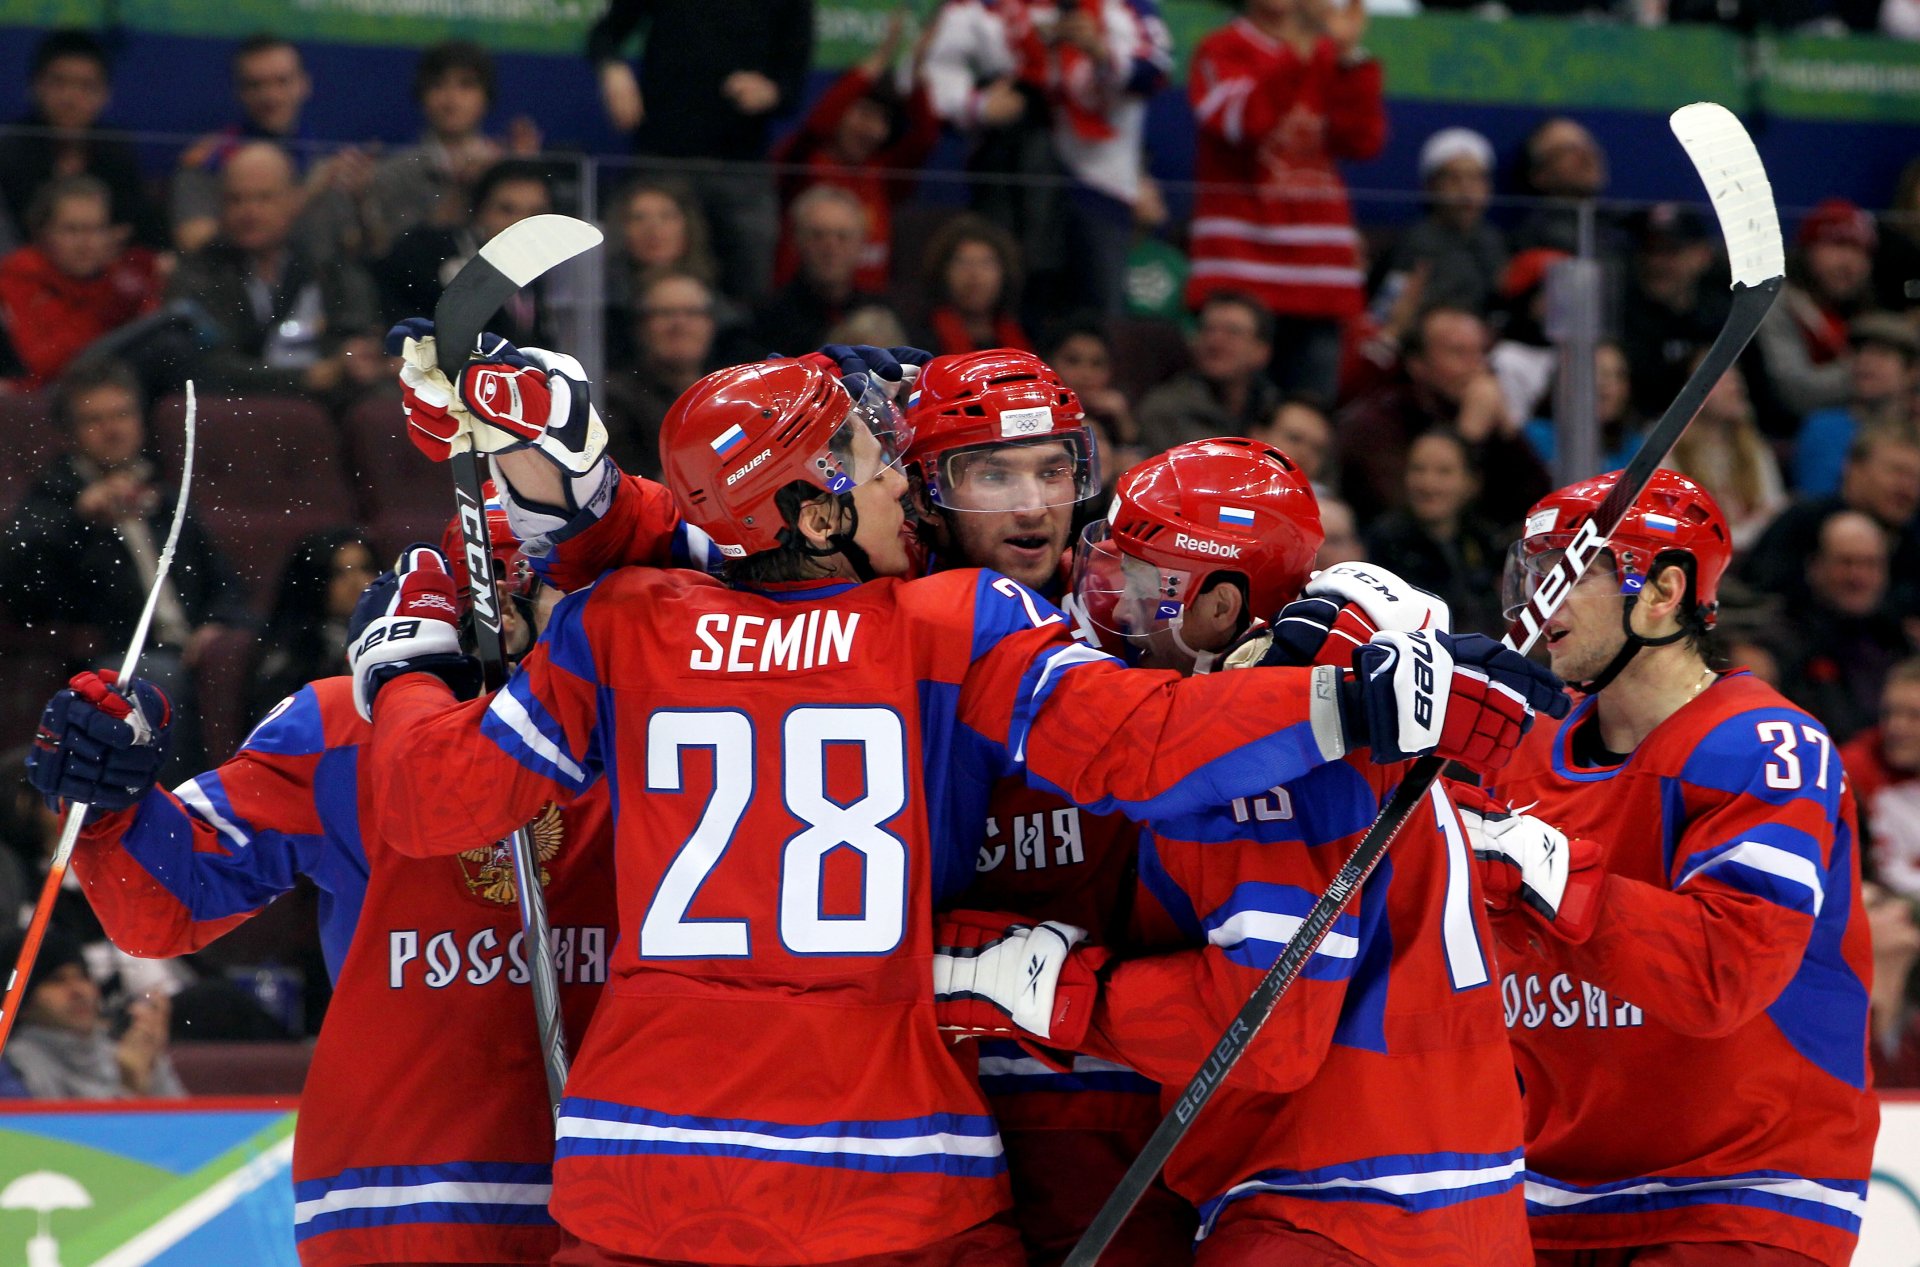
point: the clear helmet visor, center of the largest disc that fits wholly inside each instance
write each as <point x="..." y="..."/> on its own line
<point x="1045" y="471"/>
<point x="1528" y="567"/>
<point x="1127" y="599"/>
<point x="873" y="437"/>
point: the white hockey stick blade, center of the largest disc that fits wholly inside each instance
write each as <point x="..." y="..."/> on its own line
<point x="1742" y="197"/>
<point x="540" y="242"/>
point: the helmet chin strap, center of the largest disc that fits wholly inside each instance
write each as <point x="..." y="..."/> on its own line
<point x="842" y="543"/>
<point x="1203" y="661"/>
<point x="1629" y="649"/>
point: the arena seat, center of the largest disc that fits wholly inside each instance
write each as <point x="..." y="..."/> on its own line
<point x="402" y="496"/>
<point x="268" y="470"/>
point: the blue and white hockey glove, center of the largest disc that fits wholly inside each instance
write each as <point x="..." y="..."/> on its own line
<point x="1466" y="698"/>
<point x="1343" y="607"/>
<point x="98" y="747"/>
<point x="408" y="621"/>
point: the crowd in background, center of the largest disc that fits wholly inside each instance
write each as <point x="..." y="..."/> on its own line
<point x="1409" y="368"/>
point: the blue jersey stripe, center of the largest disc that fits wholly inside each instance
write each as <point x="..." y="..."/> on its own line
<point x="520" y="726"/>
<point x="410" y="1176"/>
<point x="1823" y="1010"/>
<point x="1412" y="1182"/>
<point x="1833" y="1202"/>
<point x="464" y="1213"/>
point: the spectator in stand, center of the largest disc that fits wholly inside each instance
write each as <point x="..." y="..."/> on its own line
<point x="1049" y="91"/>
<point x="1301" y="430"/>
<point x="1278" y="96"/>
<point x="973" y="289"/>
<point x="1523" y="358"/>
<point x="1895" y="1013"/>
<point x="656" y="227"/>
<point x="427" y="257"/>
<point x="77" y="281"/>
<point x="713" y="75"/>
<point x="1463" y="254"/>
<point x="87" y="537"/>
<point x="1881" y="479"/>
<point x="1444" y="381"/>
<point x="1724" y="452"/>
<point x="62" y="1047"/>
<point x="1884" y="766"/>
<point x="868" y="136"/>
<point x="1083" y="357"/>
<point x="1841" y="643"/>
<point x="67" y="82"/>
<point x="306" y="635"/>
<point x="1565" y="165"/>
<point x="1620" y="424"/>
<point x="271" y="85"/>
<point x="1343" y="544"/>
<point x="1672" y="308"/>
<point x="1437" y="540"/>
<point x="1804" y="341"/>
<point x="829" y="224"/>
<point x="1896" y="265"/>
<point x="1885" y="351"/>
<point x="674" y="334"/>
<point x="432" y="182"/>
<point x="288" y="322"/>
<point x="1227" y="392"/>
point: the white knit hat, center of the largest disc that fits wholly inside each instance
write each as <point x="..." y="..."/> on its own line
<point x="1450" y="143"/>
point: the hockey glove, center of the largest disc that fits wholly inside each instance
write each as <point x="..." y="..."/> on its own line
<point x="509" y="398"/>
<point x="1465" y="699"/>
<point x="408" y="621"/>
<point x="895" y="370"/>
<point x="1525" y="862"/>
<point x="1000" y="974"/>
<point x="1343" y="607"/>
<point x="98" y="747"/>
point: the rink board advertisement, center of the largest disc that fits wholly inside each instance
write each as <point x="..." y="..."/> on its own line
<point x="208" y="1183"/>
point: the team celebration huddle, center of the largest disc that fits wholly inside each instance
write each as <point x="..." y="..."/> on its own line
<point x="901" y="854"/>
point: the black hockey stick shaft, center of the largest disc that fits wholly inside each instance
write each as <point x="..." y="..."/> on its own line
<point x="1750" y="307"/>
<point x="511" y="259"/>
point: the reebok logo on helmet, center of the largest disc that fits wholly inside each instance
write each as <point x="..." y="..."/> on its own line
<point x="1200" y="545"/>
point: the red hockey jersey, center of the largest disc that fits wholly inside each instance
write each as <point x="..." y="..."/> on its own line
<point x="803" y="774"/>
<point x="1378" y="1107"/>
<point x="1271" y="215"/>
<point x="425" y="1133"/>
<point x="1697" y="1069"/>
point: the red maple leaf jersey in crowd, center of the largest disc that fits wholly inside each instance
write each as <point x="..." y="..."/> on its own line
<point x="799" y="777"/>
<point x="1697" y="1069"/>
<point x="425" y="1133"/>
<point x="1271" y="216"/>
<point x="1377" y="1108"/>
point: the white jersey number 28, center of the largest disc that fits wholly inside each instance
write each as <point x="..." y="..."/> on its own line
<point x="666" y="932"/>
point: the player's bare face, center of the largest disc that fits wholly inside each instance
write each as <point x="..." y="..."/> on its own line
<point x="1013" y="509"/>
<point x="1585" y="634"/>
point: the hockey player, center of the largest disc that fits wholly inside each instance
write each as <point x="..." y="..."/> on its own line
<point x="1679" y="917"/>
<point x="793" y="761"/>
<point x="425" y="1134"/>
<point x="1332" y="1143"/>
<point x="1001" y="463"/>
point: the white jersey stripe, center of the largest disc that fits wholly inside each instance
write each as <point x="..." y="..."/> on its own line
<point x="1796" y="1189"/>
<point x="1774" y="861"/>
<point x="447" y="1193"/>
<point x="1274" y="927"/>
<point x="571" y="1127"/>
<point x="1275" y="234"/>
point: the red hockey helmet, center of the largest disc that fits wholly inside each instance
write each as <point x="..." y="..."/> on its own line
<point x="510" y="567"/>
<point x="1208" y="506"/>
<point x="738" y="436"/>
<point x="968" y="409"/>
<point x="1673" y="515"/>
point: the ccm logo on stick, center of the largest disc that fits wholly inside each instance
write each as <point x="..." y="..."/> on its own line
<point x="1200" y="545"/>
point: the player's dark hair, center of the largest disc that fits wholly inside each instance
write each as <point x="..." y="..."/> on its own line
<point x="1414" y="343"/>
<point x="1699" y="636"/>
<point x="792" y="559"/>
<point x="66" y="42"/>
<point x="442" y="60"/>
<point x="47" y="199"/>
<point x="90" y="374"/>
<point x="507" y="171"/>
<point x="257" y="43"/>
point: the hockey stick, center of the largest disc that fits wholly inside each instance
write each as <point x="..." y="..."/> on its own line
<point x="1743" y="201"/>
<point x="511" y="259"/>
<point x="77" y="812"/>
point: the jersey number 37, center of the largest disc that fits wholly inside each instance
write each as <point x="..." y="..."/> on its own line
<point x="667" y="932"/>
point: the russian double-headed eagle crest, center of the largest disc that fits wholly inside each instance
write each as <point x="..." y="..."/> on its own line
<point x="488" y="871"/>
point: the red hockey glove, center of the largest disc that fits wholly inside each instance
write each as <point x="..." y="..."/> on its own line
<point x="1466" y="698"/>
<point x="408" y="620"/>
<point x="1002" y="975"/>
<point x="1525" y="862"/>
